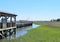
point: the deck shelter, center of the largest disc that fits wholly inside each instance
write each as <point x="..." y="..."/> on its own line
<point x="4" y="22"/>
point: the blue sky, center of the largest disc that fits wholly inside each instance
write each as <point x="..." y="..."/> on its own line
<point x="32" y="9"/>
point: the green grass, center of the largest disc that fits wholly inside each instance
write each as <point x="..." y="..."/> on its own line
<point x="43" y="33"/>
<point x="50" y="24"/>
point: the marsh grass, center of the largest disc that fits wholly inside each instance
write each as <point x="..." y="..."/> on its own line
<point x="47" y="32"/>
<point x="42" y="34"/>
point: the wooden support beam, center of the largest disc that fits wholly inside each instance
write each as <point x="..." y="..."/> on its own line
<point x="5" y="33"/>
<point x="14" y="30"/>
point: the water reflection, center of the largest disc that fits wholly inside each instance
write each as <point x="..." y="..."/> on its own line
<point x="19" y="32"/>
<point x="24" y="30"/>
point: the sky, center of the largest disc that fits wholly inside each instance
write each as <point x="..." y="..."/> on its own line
<point x="32" y="9"/>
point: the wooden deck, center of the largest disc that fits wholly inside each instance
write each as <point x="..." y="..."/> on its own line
<point x="7" y="28"/>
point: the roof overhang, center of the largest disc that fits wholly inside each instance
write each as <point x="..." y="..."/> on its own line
<point x="7" y="14"/>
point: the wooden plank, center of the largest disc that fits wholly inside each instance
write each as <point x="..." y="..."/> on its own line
<point x="7" y="28"/>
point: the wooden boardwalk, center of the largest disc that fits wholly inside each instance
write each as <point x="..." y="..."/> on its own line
<point x="22" y="23"/>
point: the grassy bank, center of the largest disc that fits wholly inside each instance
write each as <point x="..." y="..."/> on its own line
<point x="43" y="33"/>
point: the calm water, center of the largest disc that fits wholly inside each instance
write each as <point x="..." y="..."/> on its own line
<point x="20" y="32"/>
<point x="24" y="30"/>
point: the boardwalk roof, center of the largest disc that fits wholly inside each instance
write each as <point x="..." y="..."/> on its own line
<point x="6" y="14"/>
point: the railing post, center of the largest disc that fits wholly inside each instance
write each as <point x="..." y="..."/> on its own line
<point x="11" y="21"/>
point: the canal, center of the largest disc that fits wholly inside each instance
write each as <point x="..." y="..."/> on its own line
<point x="19" y="32"/>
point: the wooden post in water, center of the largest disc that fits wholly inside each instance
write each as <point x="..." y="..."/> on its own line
<point x="9" y="32"/>
<point x="1" y="35"/>
<point x="14" y="30"/>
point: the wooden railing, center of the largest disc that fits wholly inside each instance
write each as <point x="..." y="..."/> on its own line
<point x="9" y="24"/>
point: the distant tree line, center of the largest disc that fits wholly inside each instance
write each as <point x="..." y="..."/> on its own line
<point x="55" y="20"/>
